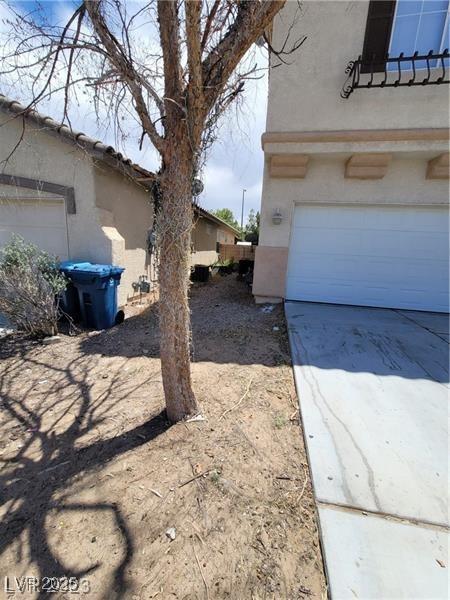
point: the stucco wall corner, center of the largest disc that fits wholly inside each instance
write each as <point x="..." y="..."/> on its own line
<point x="116" y="246"/>
<point x="269" y="277"/>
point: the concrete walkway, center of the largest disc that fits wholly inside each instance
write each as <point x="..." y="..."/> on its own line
<point x="373" y="392"/>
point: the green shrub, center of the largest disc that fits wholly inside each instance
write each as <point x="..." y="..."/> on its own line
<point x="223" y="263"/>
<point x="30" y="285"/>
<point x="280" y="421"/>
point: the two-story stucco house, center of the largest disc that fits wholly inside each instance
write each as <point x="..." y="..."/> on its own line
<point x="355" y="192"/>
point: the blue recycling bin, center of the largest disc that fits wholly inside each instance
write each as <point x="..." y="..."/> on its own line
<point x="96" y="286"/>
<point x="69" y="301"/>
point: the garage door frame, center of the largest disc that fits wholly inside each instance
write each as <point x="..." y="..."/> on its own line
<point x="67" y="192"/>
<point x="354" y="205"/>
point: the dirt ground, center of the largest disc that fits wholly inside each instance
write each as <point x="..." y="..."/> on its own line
<point x="94" y="482"/>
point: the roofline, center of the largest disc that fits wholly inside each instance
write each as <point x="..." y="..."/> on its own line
<point x="97" y="149"/>
<point x="217" y="220"/>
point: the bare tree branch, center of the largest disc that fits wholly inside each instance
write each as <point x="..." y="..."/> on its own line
<point x="55" y="59"/>
<point x="169" y="33"/>
<point x="69" y="66"/>
<point x="209" y="22"/>
<point x="195" y="86"/>
<point x="122" y="64"/>
<point x="251" y="21"/>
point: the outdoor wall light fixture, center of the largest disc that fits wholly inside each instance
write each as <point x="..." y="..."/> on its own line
<point x="277" y="217"/>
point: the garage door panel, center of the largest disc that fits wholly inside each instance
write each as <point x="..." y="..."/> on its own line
<point x="431" y="273"/>
<point x="410" y="298"/>
<point x="412" y="244"/>
<point x="313" y="291"/>
<point x="374" y="242"/>
<point x="390" y="218"/>
<point x="402" y="219"/>
<point x="43" y="224"/>
<point x="376" y="270"/>
<point x="399" y="244"/>
<point x="55" y="243"/>
<point x="37" y="215"/>
<point x="322" y="217"/>
<point x="374" y="256"/>
<point x="319" y="240"/>
<point x="314" y="266"/>
<point x="342" y="293"/>
<point x="370" y="269"/>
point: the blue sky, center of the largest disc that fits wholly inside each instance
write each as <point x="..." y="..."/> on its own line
<point x="235" y="161"/>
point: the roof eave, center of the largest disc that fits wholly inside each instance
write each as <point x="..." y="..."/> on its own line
<point x="217" y="220"/>
<point x="95" y="148"/>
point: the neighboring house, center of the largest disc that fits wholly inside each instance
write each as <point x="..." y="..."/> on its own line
<point x="355" y="191"/>
<point x="208" y="233"/>
<point x="81" y="200"/>
<point x="72" y="196"/>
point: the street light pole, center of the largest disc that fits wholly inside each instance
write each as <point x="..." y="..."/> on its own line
<point x="242" y="213"/>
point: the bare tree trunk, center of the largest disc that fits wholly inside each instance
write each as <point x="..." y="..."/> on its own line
<point x="174" y="227"/>
<point x="201" y="46"/>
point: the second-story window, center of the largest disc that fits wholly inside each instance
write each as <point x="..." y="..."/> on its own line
<point x="406" y="26"/>
<point x="419" y="26"/>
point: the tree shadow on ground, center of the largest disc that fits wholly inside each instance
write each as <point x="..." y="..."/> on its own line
<point x="228" y="327"/>
<point x="225" y="321"/>
<point x="33" y="481"/>
<point x="57" y="423"/>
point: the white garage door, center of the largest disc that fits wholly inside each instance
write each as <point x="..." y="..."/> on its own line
<point x="394" y="257"/>
<point x="42" y="222"/>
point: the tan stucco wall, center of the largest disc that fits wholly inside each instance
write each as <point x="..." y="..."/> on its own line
<point x="17" y="194"/>
<point x="204" y="242"/>
<point x="270" y="271"/>
<point x="126" y="215"/>
<point x="204" y="235"/>
<point x="225" y="236"/>
<point x="304" y="96"/>
<point x="45" y="157"/>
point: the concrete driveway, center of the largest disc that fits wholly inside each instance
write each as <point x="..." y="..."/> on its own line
<point x="373" y="392"/>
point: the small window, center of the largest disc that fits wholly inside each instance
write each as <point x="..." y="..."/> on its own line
<point x="419" y="26"/>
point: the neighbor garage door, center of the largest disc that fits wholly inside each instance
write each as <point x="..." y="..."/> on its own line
<point x="42" y="222"/>
<point x="393" y="257"/>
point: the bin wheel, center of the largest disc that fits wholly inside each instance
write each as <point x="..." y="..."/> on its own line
<point x="120" y="317"/>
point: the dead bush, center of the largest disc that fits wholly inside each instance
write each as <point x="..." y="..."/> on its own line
<point x="30" y="285"/>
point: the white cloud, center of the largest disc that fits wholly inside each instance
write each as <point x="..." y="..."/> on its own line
<point x="224" y="186"/>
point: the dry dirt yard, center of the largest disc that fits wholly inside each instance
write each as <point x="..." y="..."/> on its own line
<point x="94" y="482"/>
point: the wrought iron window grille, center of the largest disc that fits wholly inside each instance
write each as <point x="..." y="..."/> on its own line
<point x="397" y="71"/>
